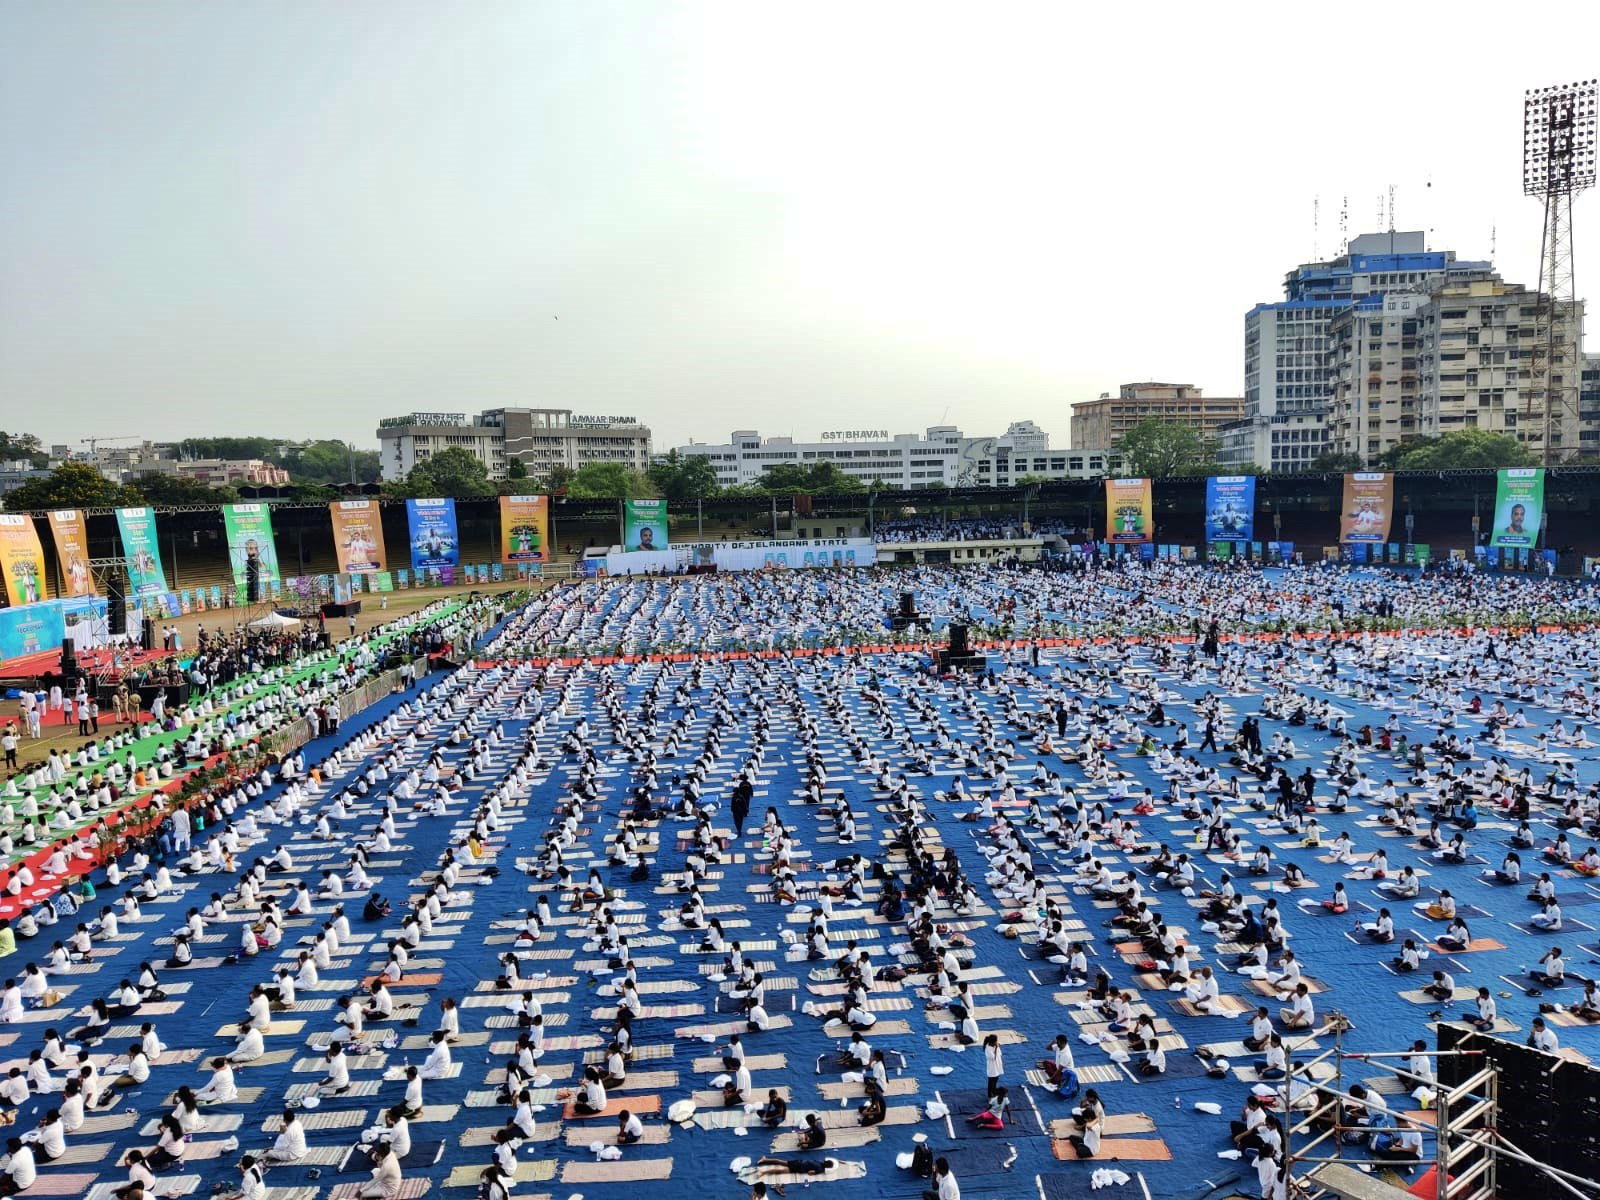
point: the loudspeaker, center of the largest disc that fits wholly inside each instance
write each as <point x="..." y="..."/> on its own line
<point x="252" y="580"/>
<point x="958" y="639"/>
<point x="908" y="604"/>
<point x="149" y="641"/>
<point x="116" y="609"/>
<point x="69" y="657"/>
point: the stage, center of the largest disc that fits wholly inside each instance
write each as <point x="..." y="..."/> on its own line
<point x="28" y="670"/>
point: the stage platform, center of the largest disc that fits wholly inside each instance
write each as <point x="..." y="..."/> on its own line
<point x="21" y="672"/>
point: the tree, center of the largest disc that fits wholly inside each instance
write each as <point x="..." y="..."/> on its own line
<point x="516" y="469"/>
<point x="454" y="473"/>
<point x="684" y="477"/>
<point x="313" y="493"/>
<point x="557" y="478"/>
<point x="1339" y="463"/>
<point x="331" y="461"/>
<point x="230" y="447"/>
<point x="820" y="478"/>
<point x="180" y="489"/>
<point x="1464" y="449"/>
<point x="1154" y="448"/>
<point x="16" y="446"/>
<point x="71" y="485"/>
<point x="610" y="481"/>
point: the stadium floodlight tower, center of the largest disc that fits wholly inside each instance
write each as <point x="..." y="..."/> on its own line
<point x="1558" y="162"/>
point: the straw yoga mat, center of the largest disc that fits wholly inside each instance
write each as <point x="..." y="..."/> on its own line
<point x="619" y="1171"/>
<point x="1124" y="1149"/>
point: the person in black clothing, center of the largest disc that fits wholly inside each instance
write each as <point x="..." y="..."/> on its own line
<point x="814" y="1136"/>
<point x="741" y="805"/>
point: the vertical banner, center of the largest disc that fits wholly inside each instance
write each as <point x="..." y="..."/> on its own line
<point x="1518" y="507"/>
<point x="146" y="579"/>
<point x="644" y="525"/>
<point x="249" y="531"/>
<point x="21" y="560"/>
<point x="1128" y="511"/>
<point x="1368" y="508"/>
<point x="72" y="551"/>
<point x="1230" y="508"/>
<point x="358" y="536"/>
<point x="435" y="544"/>
<point x="524" y="529"/>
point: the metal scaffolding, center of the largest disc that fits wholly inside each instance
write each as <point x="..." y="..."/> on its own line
<point x="1468" y="1144"/>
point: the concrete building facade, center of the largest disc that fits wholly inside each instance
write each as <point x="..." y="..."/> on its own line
<point x="1289" y="359"/>
<point x="540" y="437"/>
<point x="1104" y="422"/>
<point x="1475" y="358"/>
<point x="940" y="456"/>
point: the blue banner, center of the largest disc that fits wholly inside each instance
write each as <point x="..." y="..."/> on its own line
<point x="435" y="543"/>
<point x="1230" y="508"/>
<point x="31" y="629"/>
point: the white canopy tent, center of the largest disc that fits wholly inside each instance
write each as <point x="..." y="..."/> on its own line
<point x="275" y="620"/>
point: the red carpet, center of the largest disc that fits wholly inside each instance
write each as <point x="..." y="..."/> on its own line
<point x="43" y="889"/>
<point x="32" y="666"/>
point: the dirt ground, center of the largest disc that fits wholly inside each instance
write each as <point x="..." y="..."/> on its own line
<point x="64" y="736"/>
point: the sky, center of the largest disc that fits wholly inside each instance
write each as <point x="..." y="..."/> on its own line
<point x="294" y="218"/>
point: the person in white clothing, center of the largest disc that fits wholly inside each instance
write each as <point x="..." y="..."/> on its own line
<point x="290" y="1145"/>
<point x="438" y="1063"/>
<point x="386" y="1180"/>
<point x="220" y="1088"/>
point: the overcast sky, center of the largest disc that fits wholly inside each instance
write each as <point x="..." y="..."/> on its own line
<point x="296" y="218"/>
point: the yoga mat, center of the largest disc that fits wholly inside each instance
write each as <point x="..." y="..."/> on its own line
<point x="841" y="1169"/>
<point x="467" y="1174"/>
<point x="634" y="1104"/>
<point x="849" y="1137"/>
<point x="619" y="1171"/>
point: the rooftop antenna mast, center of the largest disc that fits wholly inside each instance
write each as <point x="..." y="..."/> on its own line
<point x="1558" y="161"/>
<point x="1316" y="226"/>
<point x="1344" y="225"/>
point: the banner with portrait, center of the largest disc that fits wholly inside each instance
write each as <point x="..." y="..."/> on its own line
<point x="142" y="550"/>
<point x="249" y="531"/>
<point x="435" y="543"/>
<point x="1230" y="508"/>
<point x="524" y="529"/>
<point x="1518" y="507"/>
<point x="644" y="525"/>
<point x="21" y="560"/>
<point x="1130" y="511"/>
<point x="1368" y="508"/>
<point x="71" y="535"/>
<point x="358" y="536"/>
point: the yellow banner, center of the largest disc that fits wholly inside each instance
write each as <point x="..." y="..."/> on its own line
<point x="525" y="530"/>
<point x="1368" y="507"/>
<point x="21" y="559"/>
<point x="72" y="552"/>
<point x="1130" y="513"/>
<point x="358" y="536"/>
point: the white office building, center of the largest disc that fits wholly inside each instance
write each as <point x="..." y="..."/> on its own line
<point x="540" y="437"/>
<point x="940" y="456"/>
